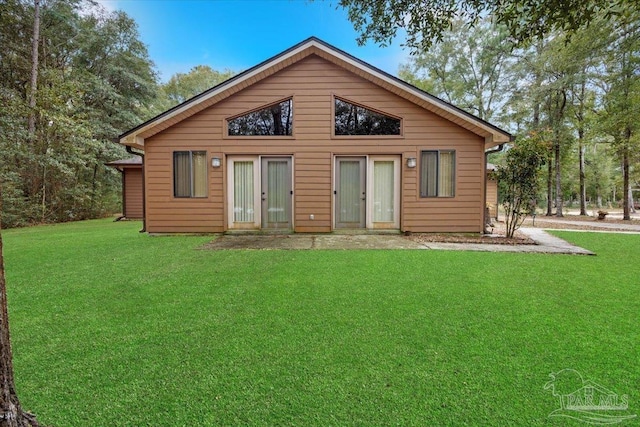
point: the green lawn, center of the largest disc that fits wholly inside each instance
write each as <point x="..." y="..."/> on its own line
<point x="115" y="328"/>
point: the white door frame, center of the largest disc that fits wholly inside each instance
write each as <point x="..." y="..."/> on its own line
<point x="362" y="223"/>
<point x="289" y="189"/>
<point x="369" y="183"/>
<point x="257" y="217"/>
<point x="257" y="191"/>
<point x="395" y="224"/>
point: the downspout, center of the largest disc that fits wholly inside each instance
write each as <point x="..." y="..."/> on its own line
<point x="486" y="157"/>
<point x="124" y="196"/>
<point x="144" y="192"/>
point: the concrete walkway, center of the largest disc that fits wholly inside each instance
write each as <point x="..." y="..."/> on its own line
<point x="605" y="226"/>
<point x="546" y="243"/>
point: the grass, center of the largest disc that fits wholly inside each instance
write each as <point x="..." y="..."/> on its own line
<point x="115" y="328"/>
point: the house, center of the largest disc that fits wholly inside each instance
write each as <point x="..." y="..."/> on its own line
<point x="132" y="186"/>
<point x="314" y="140"/>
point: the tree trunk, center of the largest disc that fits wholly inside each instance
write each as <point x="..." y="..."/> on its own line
<point x="583" y="187"/>
<point x="581" y="147"/>
<point x="11" y="414"/>
<point x="549" y="185"/>
<point x="625" y="177"/>
<point x="34" y="69"/>
<point x="561" y="103"/>
<point x="559" y="201"/>
<point x="93" y="189"/>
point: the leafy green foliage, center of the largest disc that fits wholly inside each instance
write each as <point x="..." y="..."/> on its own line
<point x="425" y="21"/>
<point x="621" y="85"/>
<point x="580" y="87"/>
<point x="183" y="86"/>
<point x="195" y="337"/>
<point x="94" y="82"/>
<point x="471" y="68"/>
<point x="518" y="177"/>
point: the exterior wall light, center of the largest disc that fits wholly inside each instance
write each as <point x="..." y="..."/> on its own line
<point x="215" y="162"/>
<point x="411" y="162"/>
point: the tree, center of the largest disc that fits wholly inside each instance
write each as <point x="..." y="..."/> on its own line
<point x="518" y="178"/>
<point x="621" y="83"/>
<point x="94" y="81"/>
<point x="12" y="414"/>
<point x="34" y="67"/>
<point x="425" y="21"/>
<point x="556" y="105"/>
<point x="470" y="68"/>
<point x="599" y="173"/>
<point x="182" y="86"/>
<point x="581" y="57"/>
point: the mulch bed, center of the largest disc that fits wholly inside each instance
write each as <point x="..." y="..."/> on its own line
<point x="497" y="238"/>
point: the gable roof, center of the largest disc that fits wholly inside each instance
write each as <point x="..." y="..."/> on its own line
<point x="493" y="135"/>
<point x="132" y="161"/>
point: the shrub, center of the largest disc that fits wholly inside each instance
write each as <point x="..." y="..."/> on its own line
<point x="519" y="180"/>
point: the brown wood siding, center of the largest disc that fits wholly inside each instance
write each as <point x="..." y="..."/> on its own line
<point x="313" y="82"/>
<point x="132" y="192"/>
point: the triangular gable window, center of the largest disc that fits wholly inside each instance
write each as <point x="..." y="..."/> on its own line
<point x="351" y="119"/>
<point x="274" y="119"/>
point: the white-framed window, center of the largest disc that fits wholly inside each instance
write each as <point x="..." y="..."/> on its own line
<point x="438" y="173"/>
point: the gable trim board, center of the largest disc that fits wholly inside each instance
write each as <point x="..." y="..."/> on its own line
<point x="313" y="74"/>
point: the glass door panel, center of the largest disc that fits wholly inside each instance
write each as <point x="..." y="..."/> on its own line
<point x="383" y="191"/>
<point x="350" y="192"/>
<point x="243" y="189"/>
<point x="243" y="192"/>
<point x="384" y="188"/>
<point x="276" y="192"/>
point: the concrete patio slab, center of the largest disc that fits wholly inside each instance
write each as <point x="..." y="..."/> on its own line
<point x="260" y="241"/>
<point x="545" y="243"/>
<point x="313" y="241"/>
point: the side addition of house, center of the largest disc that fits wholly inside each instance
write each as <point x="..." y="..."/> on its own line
<point x="132" y="188"/>
<point x="314" y="140"/>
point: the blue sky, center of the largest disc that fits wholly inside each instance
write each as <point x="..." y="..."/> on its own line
<point x="240" y="34"/>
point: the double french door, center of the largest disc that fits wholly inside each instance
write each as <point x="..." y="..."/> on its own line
<point x="367" y="192"/>
<point x="260" y="192"/>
